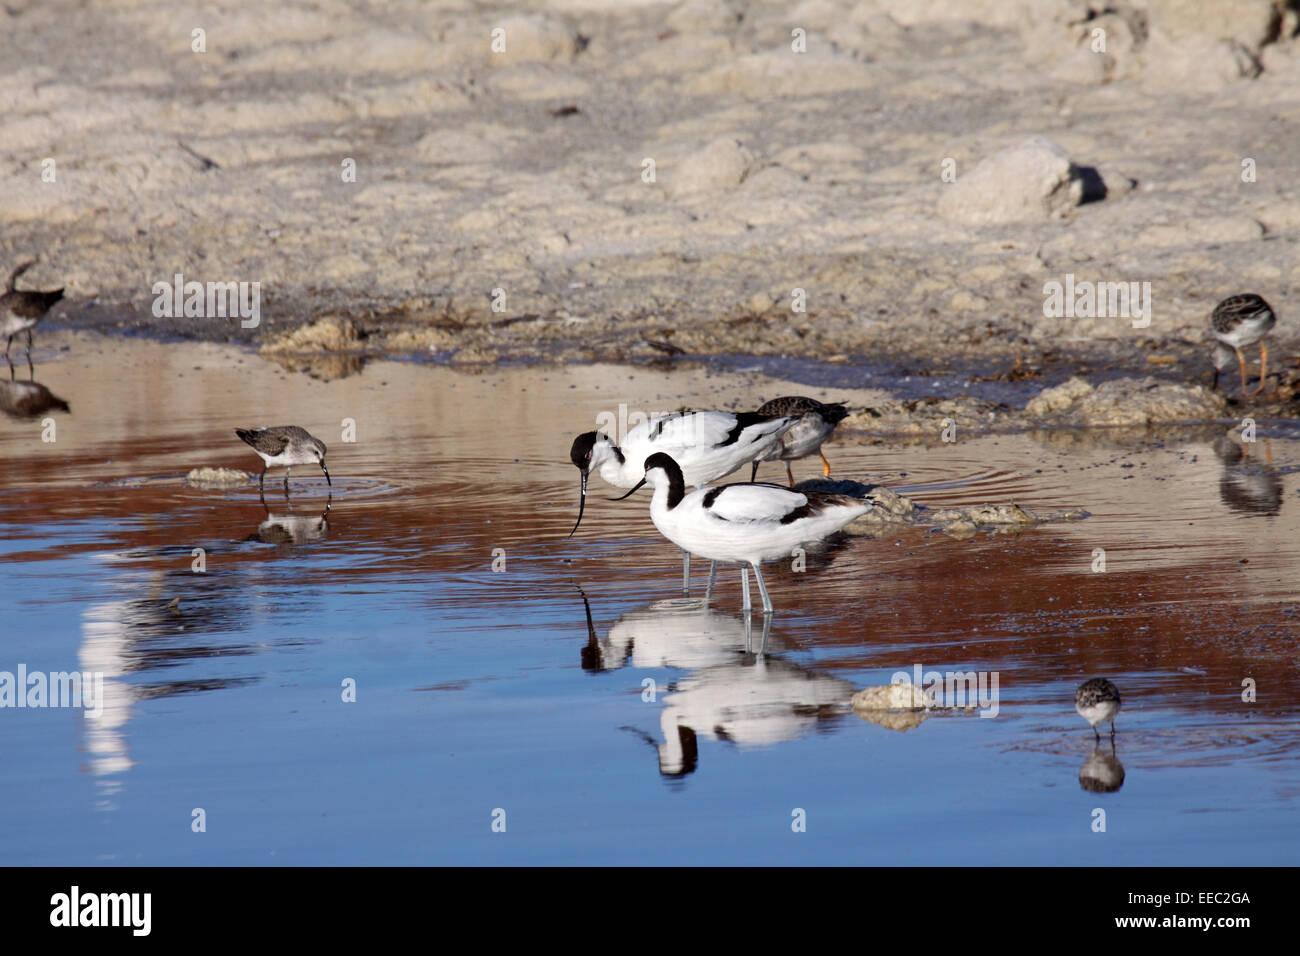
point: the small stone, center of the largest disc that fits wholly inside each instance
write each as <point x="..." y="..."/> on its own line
<point x="720" y="165"/>
<point x="1032" y="181"/>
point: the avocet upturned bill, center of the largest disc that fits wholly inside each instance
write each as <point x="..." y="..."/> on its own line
<point x="1097" y="701"/>
<point x="709" y="446"/>
<point x="747" y="523"/>
<point x="816" y="422"/>
<point x="1239" y="321"/>
<point x="285" y="445"/>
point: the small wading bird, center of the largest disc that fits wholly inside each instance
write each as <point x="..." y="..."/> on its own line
<point x="805" y="437"/>
<point x="748" y="523"/>
<point x="708" y="445"/>
<point x="1239" y="321"/>
<point x="284" y="445"/>
<point x="1097" y="700"/>
<point x="20" y="311"/>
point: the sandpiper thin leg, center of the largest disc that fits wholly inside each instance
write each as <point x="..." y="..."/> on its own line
<point x="686" y="572"/>
<point x="1263" y="367"/>
<point x="762" y="589"/>
<point x="1241" y="362"/>
<point x="9" y="345"/>
<point x="744" y="588"/>
<point x="286" y="481"/>
<point x="753" y="473"/>
<point x="29" y="345"/>
<point x="789" y="474"/>
<point x="826" y="465"/>
<point x="708" y="591"/>
<point x="261" y="480"/>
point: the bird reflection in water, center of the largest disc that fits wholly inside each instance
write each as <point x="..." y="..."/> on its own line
<point x="1248" y="486"/>
<point x="290" y="528"/>
<point x="28" y="399"/>
<point x="1101" y="772"/>
<point x="142" y="638"/>
<point x="738" y="688"/>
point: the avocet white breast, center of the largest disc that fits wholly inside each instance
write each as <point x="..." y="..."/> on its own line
<point x="747" y="523"/>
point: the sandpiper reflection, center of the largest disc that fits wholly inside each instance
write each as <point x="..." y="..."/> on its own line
<point x="290" y="528"/>
<point x="28" y="399"/>
<point x="1102" y="772"/>
<point x="1247" y="485"/>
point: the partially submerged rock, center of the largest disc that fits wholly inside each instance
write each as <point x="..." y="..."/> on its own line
<point x="328" y="335"/>
<point x="893" y="511"/>
<point x="965" y="522"/>
<point x="217" y="478"/>
<point x="900" y="706"/>
<point x="898" y="696"/>
<point x="1125" y="401"/>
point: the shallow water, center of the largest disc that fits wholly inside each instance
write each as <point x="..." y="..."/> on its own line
<point x="575" y="694"/>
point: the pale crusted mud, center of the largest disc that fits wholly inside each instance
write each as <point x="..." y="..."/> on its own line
<point x="842" y="181"/>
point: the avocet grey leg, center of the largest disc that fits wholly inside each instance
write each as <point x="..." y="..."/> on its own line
<point x="762" y="589"/>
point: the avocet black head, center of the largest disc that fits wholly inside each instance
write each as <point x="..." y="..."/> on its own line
<point x="582" y="453"/>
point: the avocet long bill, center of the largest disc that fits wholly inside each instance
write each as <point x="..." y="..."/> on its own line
<point x="1097" y="701"/>
<point x="748" y="523"/>
<point x="1237" y="322"/>
<point x="285" y="445"/>
<point x="816" y="422"/>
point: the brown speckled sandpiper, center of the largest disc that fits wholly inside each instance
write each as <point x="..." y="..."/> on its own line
<point x="1239" y="321"/>
<point x="816" y="422"/>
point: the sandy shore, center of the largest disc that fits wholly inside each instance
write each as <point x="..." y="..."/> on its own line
<point x="385" y="166"/>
